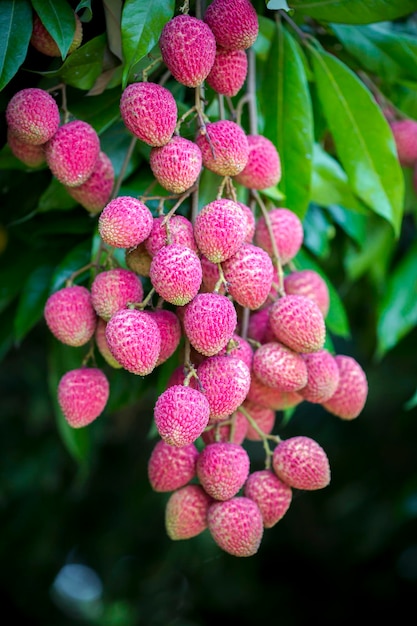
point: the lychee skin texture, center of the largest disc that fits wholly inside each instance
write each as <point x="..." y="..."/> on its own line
<point x="322" y="376"/>
<point x="236" y="525"/>
<point x="287" y="230"/>
<point x="138" y="259"/>
<point x="170" y="467"/>
<point x="263" y="417"/>
<point x="112" y="290"/>
<point x="176" y="165"/>
<point x="250" y="229"/>
<point x="239" y="348"/>
<point x="298" y="323"/>
<point x="209" y="322"/>
<point x="225" y="382"/>
<point x="229" y="71"/>
<point x="405" y="136"/>
<point x="234" y="432"/>
<point x="178" y="229"/>
<point x="222" y="469"/>
<point x="220" y="229"/>
<point x="186" y="512"/>
<point x="181" y="414"/>
<point x="149" y="111"/>
<point x="224" y="147"/>
<point x="103" y="346"/>
<point x="95" y="193"/>
<point x="249" y="273"/>
<point x="271" y="397"/>
<point x="170" y="329"/>
<point x="310" y="284"/>
<point x="176" y="274"/>
<point x="188" y="49"/>
<point x="280" y="367"/>
<point x="349" y="399"/>
<point x="83" y="395"/>
<point x="301" y="463"/>
<point x="28" y="153"/>
<point x="43" y="42"/>
<point x="125" y="222"/>
<point x="263" y="169"/>
<point x="233" y="22"/>
<point x="72" y="152"/>
<point x="134" y="340"/>
<point x="272" y="496"/>
<point x="70" y="315"/>
<point x="32" y="115"/>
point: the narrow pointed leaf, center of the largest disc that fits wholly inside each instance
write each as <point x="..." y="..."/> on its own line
<point x="58" y="18"/>
<point x="15" y="33"/>
<point x="353" y="11"/>
<point x="32" y="300"/>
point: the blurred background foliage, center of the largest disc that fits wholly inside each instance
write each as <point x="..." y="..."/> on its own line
<point x="83" y="537"/>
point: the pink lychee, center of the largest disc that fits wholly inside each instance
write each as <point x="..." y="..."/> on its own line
<point x="236" y="525"/>
<point x="263" y="169"/>
<point x="322" y="376"/>
<point x="211" y="276"/>
<point x="103" y="346"/>
<point x="186" y="512"/>
<point x="224" y="147"/>
<point x="405" y="137"/>
<point x="32" y="115"/>
<point x="114" y="289"/>
<point x="28" y="153"/>
<point x="95" y="193"/>
<point x="220" y="229"/>
<point x="350" y="396"/>
<point x="170" y="467"/>
<point x="308" y="283"/>
<point x="170" y="329"/>
<point x="70" y="315"/>
<point x="176" y="273"/>
<point x="264" y="418"/>
<point x="177" y="229"/>
<point x="233" y="429"/>
<point x="272" y="496"/>
<point x="181" y="414"/>
<point x="125" y="222"/>
<point x="229" y="71"/>
<point x="233" y="22"/>
<point x="83" y="395"/>
<point x="278" y="366"/>
<point x="271" y="397"/>
<point x="250" y="230"/>
<point x="287" y="231"/>
<point x="176" y="165"/>
<point x="239" y="348"/>
<point x="209" y="322"/>
<point x="249" y="274"/>
<point x="298" y="322"/>
<point x="222" y="469"/>
<point x="301" y="463"/>
<point x="138" y="259"/>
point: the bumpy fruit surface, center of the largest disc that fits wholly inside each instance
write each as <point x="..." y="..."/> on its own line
<point x="209" y="322"/>
<point x="263" y="417"/>
<point x="170" y="329"/>
<point x="224" y="147"/>
<point x="310" y="284"/>
<point x="405" y="136"/>
<point x="222" y="469"/>
<point x="271" y="397"/>
<point x="176" y="273"/>
<point x="287" y="230"/>
<point x="102" y="345"/>
<point x="220" y="229"/>
<point x="263" y="168"/>
<point x="271" y="494"/>
<point x="125" y="222"/>
<point x="32" y="115"/>
<point x="43" y="41"/>
<point x="233" y="429"/>
<point x="349" y="399"/>
<point x="188" y="49"/>
<point x="186" y="512"/>
<point x="95" y="193"/>
<point x="298" y="323"/>
<point x="322" y="376"/>
<point x="28" y="153"/>
<point x="229" y="71"/>
<point x="301" y="463"/>
<point x="236" y="525"/>
<point x="138" y="259"/>
<point x="170" y="467"/>
<point x="249" y="273"/>
<point x="83" y="395"/>
<point x="178" y="229"/>
<point x="114" y="289"/>
<point x="233" y="22"/>
<point x="181" y="414"/>
<point x="176" y="165"/>
<point x="280" y="367"/>
<point x="70" y="315"/>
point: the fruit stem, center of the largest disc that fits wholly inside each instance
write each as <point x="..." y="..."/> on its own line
<point x="83" y="269"/>
<point x="125" y="163"/>
<point x="275" y="257"/>
<point x="147" y="69"/>
<point x="222" y="280"/>
<point x="264" y="437"/>
<point x="145" y="302"/>
<point x="181" y="199"/>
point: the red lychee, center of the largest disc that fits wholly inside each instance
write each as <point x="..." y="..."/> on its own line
<point x="114" y="289"/>
<point x="95" y="193"/>
<point x="186" y="512"/>
<point x="236" y="525"/>
<point x="322" y="376"/>
<point x="301" y="463"/>
<point x="125" y="222"/>
<point x="220" y="229"/>
<point x="233" y="22"/>
<point x="43" y="41"/>
<point x="308" y="283"/>
<point x="233" y="429"/>
<point x="250" y="230"/>
<point x="264" y="418"/>
<point x="176" y="165"/>
<point x="271" y="494"/>
<point x="271" y="397"/>
<point x="405" y="136"/>
<point x="287" y="230"/>
<point x="280" y="367"/>
<point x="209" y="322"/>
<point x="224" y="147"/>
<point x="249" y="274"/>
<point x="239" y="348"/>
<point x="229" y="71"/>
<point x="28" y="153"/>
<point x="222" y="469"/>
<point x="298" y="323"/>
<point x="83" y="395"/>
<point x="102" y="345"/>
<point x="350" y="396"/>
<point x="178" y="229"/>
<point x="170" y="467"/>
<point x="263" y="168"/>
<point x="32" y="115"/>
<point x="176" y="273"/>
<point x="70" y="315"/>
<point x="181" y="414"/>
<point x="170" y="329"/>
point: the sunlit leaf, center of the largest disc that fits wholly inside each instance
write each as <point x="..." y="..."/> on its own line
<point x="15" y="33"/>
<point x="58" y="18"/>
<point x="354" y="11"/>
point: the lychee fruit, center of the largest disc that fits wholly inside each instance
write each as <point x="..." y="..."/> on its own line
<point x="176" y="165"/>
<point x="70" y="315"/>
<point x="271" y="494"/>
<point x="287" y="230"/>
<point x="233" y="22"/>
<point x="236" y="525"/>
<point x="72" y="152"/>
<point x="229" y="71"/>
<point x="28" y="153"/>
<point x="149" y="111"/>
<point x="233" y="429"/>
<point x="297" y="322"/>
<point x="322" y="376"/>
<point x="134" y="340"/>
<point x="301" y="463"/>
<point x="103" y="346"/>
<point x="271" y="397"/>
<point x="263" y="169"/>
<point x="188" y="49"/>
<point x="405" y="136"/>
<point x="186" y="512"/>
<point x="264" y="417"/>
<point x="43" y="41"/>
<point x="83" y="395"/>
<point x="278" y="366"/>
<point x="95" y="193"/>
<point x="308" y="283"/>
<point x="176" y="273"/>
<point x="209" y="322"/>
<point x="32" y="115"/>
<point x="178" y="229"/>
<point x="249" y="273"/>
<point x="211" y="277"/>
<point x="125" y="222"/>
<point x="114" y="289"/>
<point x="224" y="147"/>
<point x="181" y="414"/>
<point x="350" y="396"/>
<point x="239" y="348"/>
<point x="170" y="329"/>
<point x="170" y="467"/>
<point x="222" y="469"/>
<point x="138" y="259"/>
<point x="250" y="229"/>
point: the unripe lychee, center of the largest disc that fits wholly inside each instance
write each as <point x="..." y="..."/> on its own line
<point x="188" y="49"/>
<point x="263" y="168"/>
<point x="278" y="366"/>
<point x="176" y="165"/>
<point x="224" y="147"/>
<point x="233" y="22"/>
<point x="225" y="382"/>
<point x="178" y="229"/>
<point x="264" y="418"/>
<point x="28" y="153"/>
<point x="170" y="329"/>
<point x="301" y="463"/>
<point x="233" y="429"/>
<point x="32" y="115"/>
<point x="209" y="322"/>
<point x="236" y="525"/>
<point x="271" y="494"/>
<point x="249" y="274"/>
<point x="310" y="284"/>
<point x="134" y="340"/>
<point x="170" y="467"/>
<point x="298" y="323"/>
<point x="138" y="259"/>
<point x="181" y="414"/>
<point x="95" y="193"/>
<point x="271" y="397"/>
<point x="186" y="512"/>
<point x="102" y="345"/>
<point x="322" y="376"/>
<point x="222" y="469"/>
<point x="114" y="289"/>
<point x="229" y="71"/>
<point x="287" y="230"/>
<point x="350" y="396"/>
<point x="83" y="395"/>
<point x="72" y="152"/>
<point x="149" y="111"/>
<point x="176" y="273"/>
<point x="43" y="41"/>
<point x="220" y="229"/>
<point x="405" y="136"/>
<point x="70" y="315"/>
<point x="125" y="222"/>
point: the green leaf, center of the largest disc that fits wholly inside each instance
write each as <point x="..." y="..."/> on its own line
<point x="104" y="113"/>
<point x="362" y="136"/>
<point x="58" y="18"/>
<point x="76" y="259"/>
<point x="6" y="331"/>
<point x="142" y="23"/>
<point x="412" y="402"/>
<point x="15" y="33"/>
<point x="289" y="118"/>
<point x="16" y="266"/>
<point x="375" y="255"/>
<point x="318" y="231"/>
<point x="354" y="11"/>
<point x="55" y="198"/>
<point x="32" y="300"/>
<point x="397" y="312"/>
